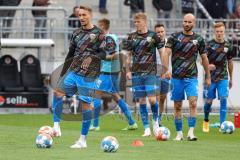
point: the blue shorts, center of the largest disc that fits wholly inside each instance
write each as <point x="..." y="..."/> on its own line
<point x="164" y="85"/>
<point x="222" y="88"/>
<point x="145" y="85"/>
<point x="72" y="83"/>
<point x="182" y="86"/>
<point x="108" y="83"/>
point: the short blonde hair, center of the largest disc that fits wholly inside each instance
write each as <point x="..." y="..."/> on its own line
<point x="87" y="8"/>
<point x="218" y="24"/>
<point x="105" y="23"/>
<point x="140" y="15"/>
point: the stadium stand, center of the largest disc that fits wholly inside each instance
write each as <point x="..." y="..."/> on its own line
<point x="24" y="89"/>
<point x="31" y="74"/>
<point x="9" y="75"/>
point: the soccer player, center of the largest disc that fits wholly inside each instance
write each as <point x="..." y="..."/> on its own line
<point x="87" y="47"/>
<point x="108" y="80"/>
<point x="219" y="52"/>
<point x="141" y="47"/>
<point x="184" y="48"/>
<point x="164" y="82"/>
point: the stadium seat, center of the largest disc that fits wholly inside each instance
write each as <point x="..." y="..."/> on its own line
<point x="9" y="75"/>
<point x="31" y="74"/>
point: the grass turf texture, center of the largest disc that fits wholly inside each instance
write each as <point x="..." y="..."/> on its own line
<point x="18" y="133"/>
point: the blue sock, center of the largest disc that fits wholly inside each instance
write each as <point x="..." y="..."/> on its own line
<point x="223" y="110"/>
<point x="178" y="124"/>
<point x="144" y="115"/>
<point x="192" y="122"/>
<point x="159" y="118"/>
<point x="86" y="122"/>
<point x="124" y="107"/>
<point x="57" y="108"/>
<point x="154" y="109"/>
<point x="97" y="108"/>
<point x="207" y="110"/>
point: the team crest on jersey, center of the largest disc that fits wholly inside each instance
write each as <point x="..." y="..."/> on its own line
<point x="92" y="36"/>
<point x="195" y="42"/>
<point x="98" y="83"/>
<point x="225" y="49"/>
<point x="149" y="39"/>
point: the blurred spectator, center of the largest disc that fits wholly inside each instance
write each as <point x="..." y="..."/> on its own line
<point x="216" y="8"/>
<point x="40" y="18"/>
<point x="103" y="6"/>
<point x="188" y="6"/>
<point x="74" y="22"/>
<point x="9" y="14"/>
<point x="135" y="7"/>
<point x="235" y="27"/>
<point x="163" y="8"/>
<point x="231" y="5"/>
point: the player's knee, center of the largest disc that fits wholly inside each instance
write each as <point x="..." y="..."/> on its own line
<point x="58" y="94"/>
<point x="209" y="102"/>
<point x="193" y="102"/>
<point x="142" y="100"/>
<point x="152" y="100"/>
<point x="178" y="106"/>
<point x="86" y="106"/>
<point x="116" y="97"/>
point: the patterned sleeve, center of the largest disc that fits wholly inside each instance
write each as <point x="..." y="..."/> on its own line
<point x="102" y="44"/>
<point x="70" y="55"/>
<point x="230" y="52"/>
<point x="170" y="42"/>
<point x="74" y="34"/>
<point x="159" y="43"/>
<point x="207" y="45"/>
<point x="127" y="43"/>
<point x="202" y="47"/>
<point x="110" y="45"/>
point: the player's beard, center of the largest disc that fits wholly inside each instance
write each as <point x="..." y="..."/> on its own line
<point x="187" y="28"/>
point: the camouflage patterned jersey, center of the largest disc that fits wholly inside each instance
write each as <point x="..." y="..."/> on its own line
<point x="143" y="49"/>
<point x="87" y="43"/>
<point x="219" y="54"/>
<point x="185" y="49"/>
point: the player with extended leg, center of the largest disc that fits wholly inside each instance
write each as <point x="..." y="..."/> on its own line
<point x="108" y="80"/>
<point x="87" y="47"/>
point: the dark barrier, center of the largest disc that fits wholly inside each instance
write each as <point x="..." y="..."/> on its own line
<point x="23" y="100"/>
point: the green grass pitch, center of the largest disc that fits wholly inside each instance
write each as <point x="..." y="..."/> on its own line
<point x="18" y="133"/>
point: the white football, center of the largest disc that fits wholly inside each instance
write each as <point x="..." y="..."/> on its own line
<point x="46" y="130"/>
<point x="109" y="144"/>
<point x="227" y="127"/>
<point x="44" y="141"/>
<point x="162" y="134"/>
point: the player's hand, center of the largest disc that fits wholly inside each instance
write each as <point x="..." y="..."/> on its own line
<point x="129" y="75"/>
<point x="167" y="75"/>
<point x="230" y="84"/>
<point x="86" y="62"/>
<point x="208" y="82"/>
<point x="211" y="67"/>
